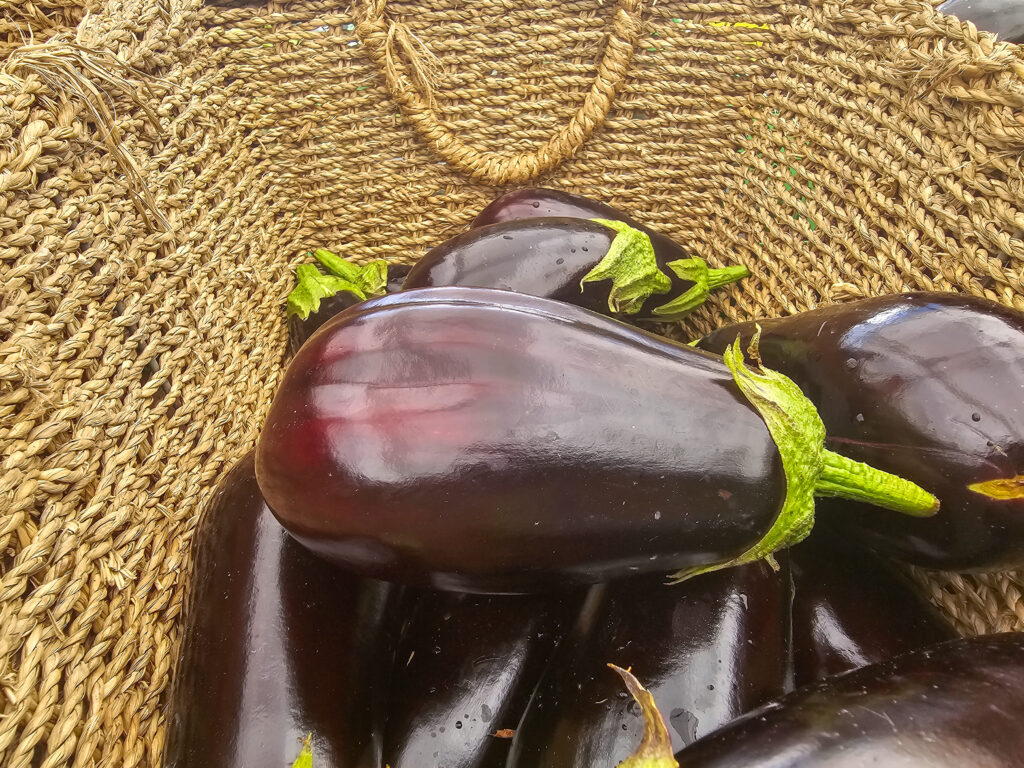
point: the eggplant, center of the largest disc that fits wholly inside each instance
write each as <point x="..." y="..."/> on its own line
<point x="852" y="609"/>
<point x="317" y="298"/>
<point x="1004" y="18"/>
<point x="465" y="670"/>
<point x="956" y="704"/>
<point x="485" y="441"/>
<point x="708" y="651"/>
<point x="929" y="386"/>
<point x="652" y="276"/>
<point x="573" y="260"/>
<point x="279" y="650"/>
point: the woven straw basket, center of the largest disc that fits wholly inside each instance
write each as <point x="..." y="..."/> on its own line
<point x="164" y="165"/>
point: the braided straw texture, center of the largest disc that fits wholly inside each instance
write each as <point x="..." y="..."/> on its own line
<point x="163" y="165"/>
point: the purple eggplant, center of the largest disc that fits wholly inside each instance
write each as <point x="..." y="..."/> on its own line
<point x="599" y="264"/>
<point x="852" y="609"/>
<point x="708" y="651"/>
<point x="280" y="649"/>
<point x="677" y="281"/>
<point x="481" y="440"/>
<point x="952" y="705"/>
<point x="466" y="667"/>
<point x="929" y="386"/>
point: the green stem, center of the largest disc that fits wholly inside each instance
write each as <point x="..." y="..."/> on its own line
<point x="855" y="480"/>
<point x="704" y="281"/>
<point x="724" y="275"/>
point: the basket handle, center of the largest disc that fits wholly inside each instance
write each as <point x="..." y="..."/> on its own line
<point x="409" y="85"/>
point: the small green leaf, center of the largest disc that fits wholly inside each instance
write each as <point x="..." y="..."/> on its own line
<point x="336" y="265"/>
<point x="312" y="286"/>
<point x="305" y="758"/>
<point x="373" y="278"/>
<point x="655" y="750"/>
<point x="631" y="266"/>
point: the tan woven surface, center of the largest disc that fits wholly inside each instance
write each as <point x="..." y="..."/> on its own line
<point x="163" y="164"/>
<point x="36" y="21"/>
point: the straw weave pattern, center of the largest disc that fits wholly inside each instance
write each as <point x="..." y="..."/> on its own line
<point x="163" y="165"/>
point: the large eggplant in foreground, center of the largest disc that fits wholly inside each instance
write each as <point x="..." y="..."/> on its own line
<point x="929" y="386"/>
<point x="280" y="649"/>
<point x="486" y="441"/>
<point x="708" y="651"/>
<point x="952" y="705"/>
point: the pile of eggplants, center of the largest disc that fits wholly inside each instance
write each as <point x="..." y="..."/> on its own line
<point x="489" y="521"/>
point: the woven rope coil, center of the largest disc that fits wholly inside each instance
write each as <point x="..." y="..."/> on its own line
<point x="163" y="165"/>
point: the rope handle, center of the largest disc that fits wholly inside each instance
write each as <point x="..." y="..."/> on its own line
<point x="408" y="83"/>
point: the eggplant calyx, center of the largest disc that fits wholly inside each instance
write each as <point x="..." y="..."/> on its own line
<point x="631" y="266"/>
<point x="704" y="280"/>
<point x="655" y="750"/>
<point x="810" y="469"/>
<point x="305" y="758"/>
<point x="363" y="282"/>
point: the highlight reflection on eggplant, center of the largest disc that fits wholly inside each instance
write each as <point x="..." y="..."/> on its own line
<point x="852" y="609"/>
<point x="465" y="669"/>
<point x="479" y="440"/>
<point x="929" y="386"/>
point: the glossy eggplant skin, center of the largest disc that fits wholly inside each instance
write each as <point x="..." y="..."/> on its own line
<point x="300" y="329"/>
<point x="539" y="203"/>
<point x="278" y="645"/>
<point x="956" y="704"/>
<point x="486" y="441"/>
<point x="465" y="669"/>
<point x="929" y="386"/>
<point x="852" y="609"/>
<point x="709" y="650"/>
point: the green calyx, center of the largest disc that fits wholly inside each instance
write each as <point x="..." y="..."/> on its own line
<point x="312" y="285"/>
<point x="633" y="268"/>
<point x="655" y="750"/>
<point x="810" y="469"/>
<point x="305" y="758"/>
